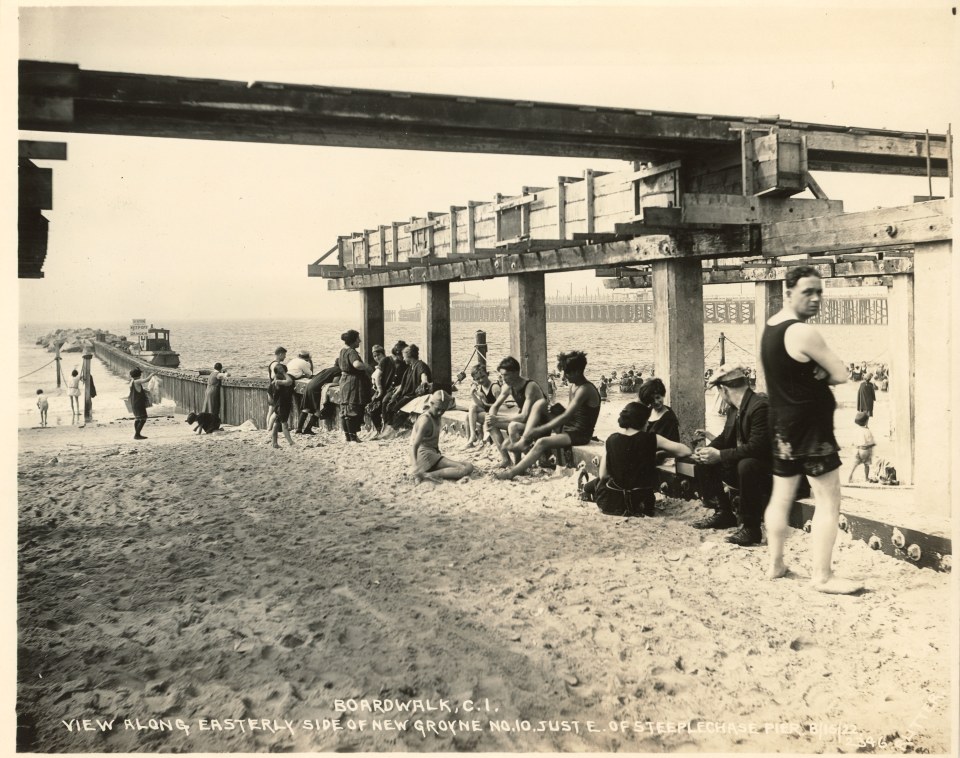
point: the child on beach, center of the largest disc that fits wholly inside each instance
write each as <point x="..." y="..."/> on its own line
<point x="42" y="404"/>
<point x="73" y="390"/>
<point x="865" y="444"/>
<point x="427" y="462"/>
<point x="281" y="392"/>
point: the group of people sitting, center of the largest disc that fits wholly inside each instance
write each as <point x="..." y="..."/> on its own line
<point x="739" y="457"/>
<point x="516" y="415"/>
<point x="377" y="391"/>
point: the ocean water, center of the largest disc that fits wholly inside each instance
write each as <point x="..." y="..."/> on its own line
<point x="245" y="348"/>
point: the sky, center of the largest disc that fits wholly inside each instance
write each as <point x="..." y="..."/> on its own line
<point x="167" y="229"/>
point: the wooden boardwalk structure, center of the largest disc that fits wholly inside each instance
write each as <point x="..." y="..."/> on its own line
<point x="706" y="199"/>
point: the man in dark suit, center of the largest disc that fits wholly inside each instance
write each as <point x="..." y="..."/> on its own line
<point x="740" y="456"/>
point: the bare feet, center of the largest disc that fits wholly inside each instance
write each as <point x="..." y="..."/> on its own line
<point x="276" y="446"/>
<point x="504" y="475"/>
<point x="777" y="570"/>
<point x="505" y="463"/>
<point x="834" y="585"/>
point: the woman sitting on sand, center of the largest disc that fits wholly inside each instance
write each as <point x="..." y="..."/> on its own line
<point x="628" y="469"/>
<point x="425" y="456"/>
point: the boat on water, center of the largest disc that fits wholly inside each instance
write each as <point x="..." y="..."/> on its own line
<point x="153" y="346"/>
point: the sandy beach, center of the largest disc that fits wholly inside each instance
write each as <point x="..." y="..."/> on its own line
<point x="197" y="594"/>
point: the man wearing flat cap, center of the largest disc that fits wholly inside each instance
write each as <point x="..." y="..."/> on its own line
<point x="741" y="456"/>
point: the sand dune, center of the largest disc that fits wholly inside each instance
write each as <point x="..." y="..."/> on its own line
<point x="219" y="582"/>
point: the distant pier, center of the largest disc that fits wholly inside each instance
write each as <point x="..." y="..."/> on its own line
<point x="841" y="310"/>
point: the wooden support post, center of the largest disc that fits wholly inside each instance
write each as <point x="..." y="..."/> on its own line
<point x="395" y="255"/>
<point x="900" y="310"/>
<point x="588" y="194"/>
<point x="435" y="297"/>
<point x="383" y="245"/>
<point x="57" y="359"/>
<point x="528" y="325"/>
<point x="561" y="208"/>
<point x="372" y="304"/>
<point x="453" y="230"/>
<point x="87" y="400"/>
<point x="767" y="300"/>
<point x="472" y="225"/>
<point x="933" y="376"/>
<point x="678" y="356"/>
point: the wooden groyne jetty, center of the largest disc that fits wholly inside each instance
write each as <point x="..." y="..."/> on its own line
<point x="845" y="310"/>
<point x="241" y="398"/>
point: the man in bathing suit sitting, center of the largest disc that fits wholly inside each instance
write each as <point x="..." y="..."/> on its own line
<point x="531" y="408"/>
<point x="574" y="425"/>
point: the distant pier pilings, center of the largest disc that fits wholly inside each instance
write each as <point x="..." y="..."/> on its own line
<point x="861" y="310"/>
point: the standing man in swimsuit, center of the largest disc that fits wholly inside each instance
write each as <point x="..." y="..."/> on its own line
<point x="531" y="407"/>
<point x="800" y="369"/>
<point x="574" y="425"/>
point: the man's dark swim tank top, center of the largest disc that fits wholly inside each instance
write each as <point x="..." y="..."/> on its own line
<point x="520" y="395"/>
<point x="584" y="419"/>
<point x="790" y="383"/>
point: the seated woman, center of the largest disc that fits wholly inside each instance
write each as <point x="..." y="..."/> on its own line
<point x="628" y="469"/>
<point x="663" y="420"/>
<point x="483" y="395"/>
<point x="427" y="462"/>
<point x="416" y="381"/>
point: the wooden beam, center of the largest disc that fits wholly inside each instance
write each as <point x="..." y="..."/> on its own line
<point x="815" y="188"/>
<point x="46" y="151"/>
<point x="736" y="241"/>
<point x="710" y="208"/>
<point x="909" y="224"/>
<point x="328" y="272"/>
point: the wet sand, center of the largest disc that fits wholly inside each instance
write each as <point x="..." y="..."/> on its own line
<point x="213" y="579"/>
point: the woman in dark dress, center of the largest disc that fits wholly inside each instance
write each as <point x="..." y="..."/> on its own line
<point x="355" y="389"/>
<point x="138" y="401"/>
<point x="663" y="420"/>
<point x="211" y="401"/>
<point x="628" y="470"/>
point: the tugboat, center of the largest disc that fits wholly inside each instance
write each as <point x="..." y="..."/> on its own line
<point x="154" y="348"/>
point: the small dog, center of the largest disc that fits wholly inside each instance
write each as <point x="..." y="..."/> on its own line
<point x="206" y="422"/>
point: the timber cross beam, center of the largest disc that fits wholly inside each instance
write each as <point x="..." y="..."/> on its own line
<point x="63" y="97"/>
<point x="906" y="225"/>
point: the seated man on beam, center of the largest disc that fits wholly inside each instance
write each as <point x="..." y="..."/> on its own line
<point x="531" y="407"/>
<point x="741" y="456"/>
<point x="573" y="426"/>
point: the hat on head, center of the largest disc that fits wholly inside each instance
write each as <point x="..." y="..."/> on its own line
<point x="377" y="349"/>
<point x="303" y="353"/>
<point x="443" y="400"/>
<point x="728" y="372"/>
<point x="280" y="350"/>
<point x="861" y="417"/>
